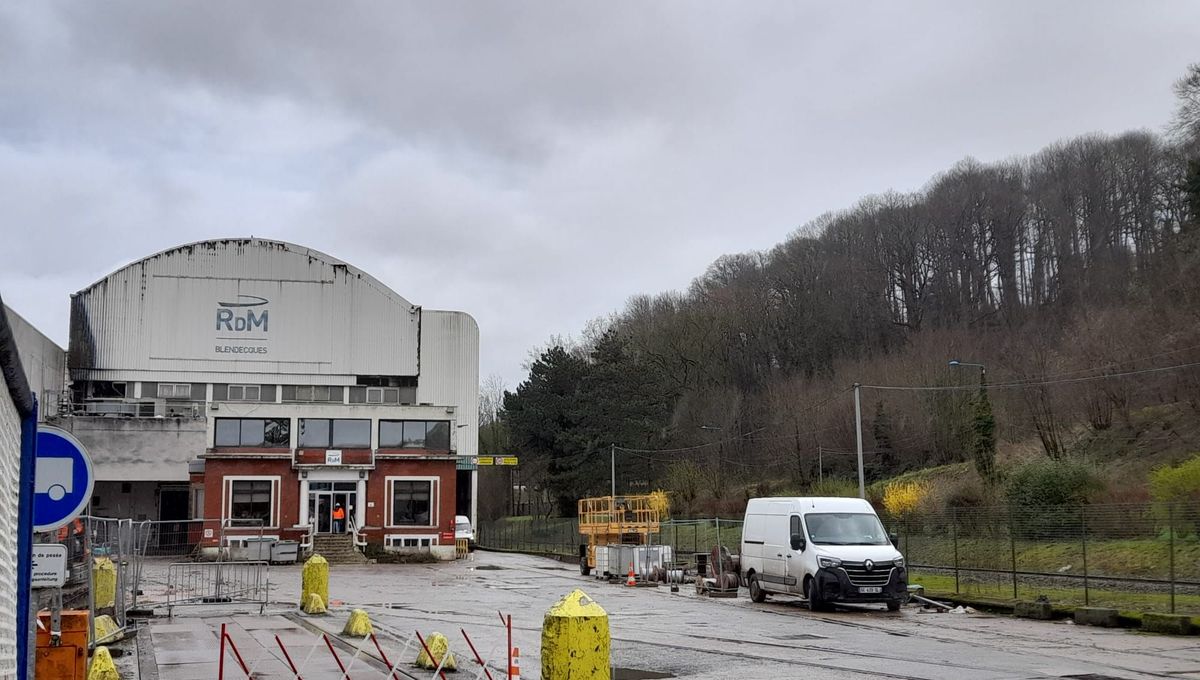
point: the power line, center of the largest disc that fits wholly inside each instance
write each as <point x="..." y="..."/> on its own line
<point x="1031" y="383"/>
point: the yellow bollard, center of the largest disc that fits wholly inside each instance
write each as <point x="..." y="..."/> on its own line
<point x="104" y="583"/>
<point x="439" y="647"/>
<point x="103" y="667"/>
<point x="106" y="629"/>
<point x="358" y="625"/>
<point x="313" y="604"/>
<point x="575" y="640"/>
<point x="314" y="580"/>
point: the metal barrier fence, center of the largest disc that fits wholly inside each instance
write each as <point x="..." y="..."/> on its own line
<point x="560" y="535"/>
<point x="1142" y="557"/>
<point x="201" y="583"/>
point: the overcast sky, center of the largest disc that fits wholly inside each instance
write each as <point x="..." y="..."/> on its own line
<point x="534" y="164"/>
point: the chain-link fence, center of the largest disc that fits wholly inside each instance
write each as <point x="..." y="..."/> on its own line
<point x="1138" y="557"/>
<point x="1143" y="557"/>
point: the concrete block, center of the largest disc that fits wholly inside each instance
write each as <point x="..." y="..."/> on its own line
<point x="358" y="625"/>
<point x="314" y="580"/>
<point x="1034" y="610"/>
<point x="576" y="640"/>
<point x="1097" y="616"/>
<point x="1170" y="624"/>
<point x="439" y="654"/>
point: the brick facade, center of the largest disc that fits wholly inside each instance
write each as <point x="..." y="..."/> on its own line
<point x="285" y="506"/>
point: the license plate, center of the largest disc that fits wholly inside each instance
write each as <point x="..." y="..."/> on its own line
<point x="869" y="590"/>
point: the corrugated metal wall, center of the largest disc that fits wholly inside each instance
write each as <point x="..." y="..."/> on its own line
<point x="159" y="314"/>
<point x="450" y="371"/>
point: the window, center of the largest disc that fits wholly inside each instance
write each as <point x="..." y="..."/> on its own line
<point x="412" y="502"/>
<point x="311" y="393"/>
<point x="408" y="543"/>
<point x="415" y="434"/>
<point x="251" y="500"/>
<point x="339" y="433"/>
<point x="245" y="392"/>
<point x="174" y="390"/>
<point x="272" y="432"/>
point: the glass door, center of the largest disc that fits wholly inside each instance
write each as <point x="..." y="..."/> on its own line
<point x="323" y="497"/>
<point x="321" y="511"/>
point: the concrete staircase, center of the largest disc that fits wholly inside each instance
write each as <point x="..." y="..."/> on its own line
<point x="338" y="549"/>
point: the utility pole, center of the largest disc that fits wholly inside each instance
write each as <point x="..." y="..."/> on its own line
<point x="612" y="452"/>
<point x="862" y="482"/>
<point x="820" y="464"/>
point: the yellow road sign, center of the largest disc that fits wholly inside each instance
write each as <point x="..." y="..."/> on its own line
<point x="485" y="460"/>
<point x="507" y="460"/>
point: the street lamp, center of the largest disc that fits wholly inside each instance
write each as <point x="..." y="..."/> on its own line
<point x="955" y="363"/>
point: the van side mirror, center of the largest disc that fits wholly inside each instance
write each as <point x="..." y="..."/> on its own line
<point x="798" y="542"/>
<point x="894" y="539"/>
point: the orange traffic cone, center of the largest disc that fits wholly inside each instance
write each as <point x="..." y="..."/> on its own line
<point x="514" y="666"/>
<point x="632" y="580"/>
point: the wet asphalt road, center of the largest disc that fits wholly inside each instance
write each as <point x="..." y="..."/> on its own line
<point x="689" y="636"/>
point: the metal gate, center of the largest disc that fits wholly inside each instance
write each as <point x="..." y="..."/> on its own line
<point x="218" y="583"/>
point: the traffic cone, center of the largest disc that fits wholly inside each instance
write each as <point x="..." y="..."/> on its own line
<point x="632" y="580"/>
<point x="514" y="666"/>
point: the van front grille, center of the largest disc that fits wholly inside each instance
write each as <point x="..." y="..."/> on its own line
<point x="857" y="572"/>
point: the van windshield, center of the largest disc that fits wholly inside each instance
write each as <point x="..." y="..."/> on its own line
<point x="845" y="528"/>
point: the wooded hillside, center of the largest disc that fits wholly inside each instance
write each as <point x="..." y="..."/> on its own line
<point x="1079" y="261"/>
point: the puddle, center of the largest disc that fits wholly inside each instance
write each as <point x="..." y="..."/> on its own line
<point x="635" y="674"/>
<point x="489" y="567"/>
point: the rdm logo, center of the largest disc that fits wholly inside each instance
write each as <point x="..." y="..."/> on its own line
<point x="242" y="316"/>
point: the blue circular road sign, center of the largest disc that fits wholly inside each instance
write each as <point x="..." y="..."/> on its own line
<point x="64" y="479"/>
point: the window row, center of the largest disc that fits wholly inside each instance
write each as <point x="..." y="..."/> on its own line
<point x="333" y="433"/>
<point x="413" y="500"/>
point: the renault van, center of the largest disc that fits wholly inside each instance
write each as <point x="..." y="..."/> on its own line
<point x="825" y="550"/>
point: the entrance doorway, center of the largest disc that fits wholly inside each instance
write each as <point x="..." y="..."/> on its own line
<point x="324" y="497"/>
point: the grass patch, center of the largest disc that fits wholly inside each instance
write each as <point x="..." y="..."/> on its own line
<point x="999" y="588"/>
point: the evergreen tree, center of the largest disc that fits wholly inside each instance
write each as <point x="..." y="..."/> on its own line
<point x="983" y="440"/>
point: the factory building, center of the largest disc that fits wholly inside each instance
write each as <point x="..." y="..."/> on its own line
<point x="252" y="380"/>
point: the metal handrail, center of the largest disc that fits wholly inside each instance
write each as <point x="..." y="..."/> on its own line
<point x="360" y="540"/>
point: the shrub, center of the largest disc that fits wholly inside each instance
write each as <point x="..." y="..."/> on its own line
<point x="1051" y="482"/>
<point x="1065" y="485"/>
<point x="1175" y="489"/>
<point x="902" y="498"/>
<point x="1176" y="482"/>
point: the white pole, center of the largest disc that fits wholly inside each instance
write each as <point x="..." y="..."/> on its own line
<point x="613" y="462"/>
<point x="862" y="483"/>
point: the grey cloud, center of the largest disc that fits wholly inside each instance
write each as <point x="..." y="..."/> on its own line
<point x="532" y="163"/>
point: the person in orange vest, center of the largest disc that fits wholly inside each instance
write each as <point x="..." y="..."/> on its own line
<point x="339" y="519"/>
<point x="75" y="530"/>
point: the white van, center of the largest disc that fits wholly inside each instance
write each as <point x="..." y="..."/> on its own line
<point x="823" y="549"/>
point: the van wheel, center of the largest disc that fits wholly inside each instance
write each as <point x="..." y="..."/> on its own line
<point x="757" y="594"/>
<point x="815" y="603"/>
<point x="893" y="605"/>
<point x="583" y="566"/>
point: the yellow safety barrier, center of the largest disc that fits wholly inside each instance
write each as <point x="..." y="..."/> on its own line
<point x="575" y="640"/>
<point x="358" y="625"/>
<point x="313" y="604"/>
<point x="104" y="583"/>
<point x="439" y="647"/>
<point x="106" y="629"/>
<point x="461" y="548"/>
<point x="102" y="667"/>
<point x="314" y="580"/>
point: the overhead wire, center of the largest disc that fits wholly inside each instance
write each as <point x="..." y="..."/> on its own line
<point x="1031" y="383"/>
